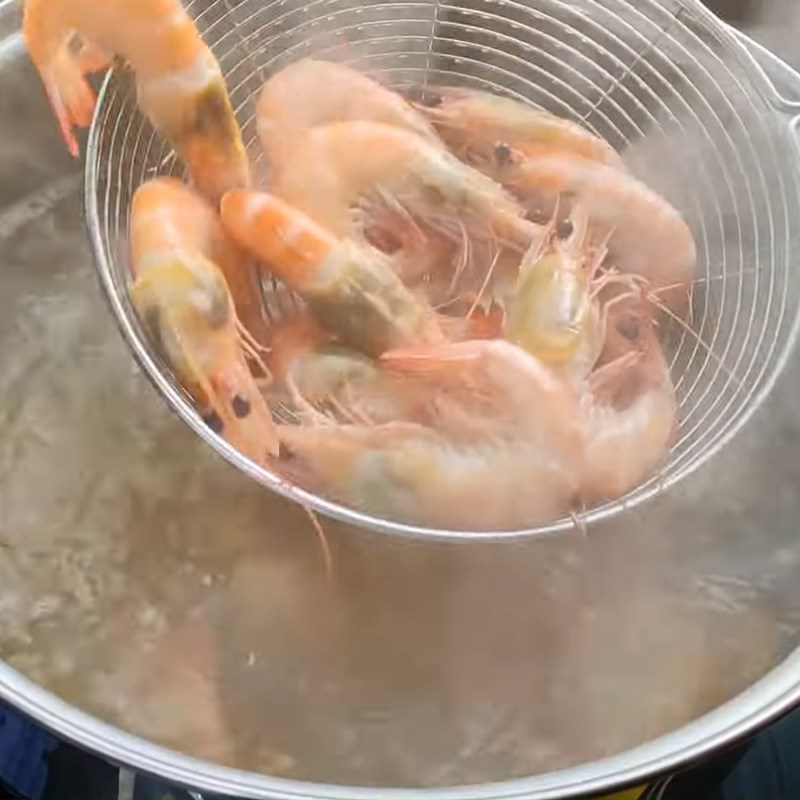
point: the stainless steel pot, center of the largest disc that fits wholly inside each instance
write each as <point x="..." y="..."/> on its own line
<point x="159" y="608"/>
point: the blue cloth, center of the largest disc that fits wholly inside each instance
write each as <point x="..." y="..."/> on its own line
<point x="24" y="750"/>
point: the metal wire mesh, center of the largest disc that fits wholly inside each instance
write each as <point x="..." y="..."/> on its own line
<point x="662" y="80"/>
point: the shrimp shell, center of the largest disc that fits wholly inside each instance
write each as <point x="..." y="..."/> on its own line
<point x="308" y="93"/>
<point x="646" y="236"/>
<point x="179" y="82"/>
<point x="470" y="120"/>
<point x="336" y="167"/>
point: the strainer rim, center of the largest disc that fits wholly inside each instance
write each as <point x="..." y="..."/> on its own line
<point x="127" y="323"/>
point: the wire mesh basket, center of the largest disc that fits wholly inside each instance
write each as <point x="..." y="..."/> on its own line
<point x="664" y="81"/>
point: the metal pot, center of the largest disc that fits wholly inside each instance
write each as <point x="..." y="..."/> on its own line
<point x="162" y="610"/>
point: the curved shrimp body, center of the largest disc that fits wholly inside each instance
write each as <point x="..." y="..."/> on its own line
<point x="475" y="122"/>
<point x="180" y="85"/>
<point x="409" y="472"/>
<point x="185" y="305"/>
<point x="646" y="235"/>
<point x="503" y="451"/>
<point x="308" y="93"/>
<point x="495" y="389"/>
<point x="320" y="379"/>
<point x="552" y="313"/>
<point x="346" y="165"/>
<point x="631" y="416"/>
<point x="351" y="289"/>
<point x="168" y="216"/>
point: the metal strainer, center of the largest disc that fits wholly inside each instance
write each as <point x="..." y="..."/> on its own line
<point x="664" y="81"/>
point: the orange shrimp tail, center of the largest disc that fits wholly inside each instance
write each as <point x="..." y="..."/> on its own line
<point x="246" y="422"/>
<point x="277" y="234"/>
<point x="62" y="68"/>
<point x="71" y="97"/>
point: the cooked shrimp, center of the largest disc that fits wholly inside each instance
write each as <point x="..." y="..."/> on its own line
<point x="320" y="379"/>
<point x="412" y="474"/>
<point x="187" y="310"/>
<point x="494" y="388"/>
<point x="308" y="93"/>
<point x="473" y="121"/>
<point x="180" y="85"/>
<point x="343" y="166"/>
<point x="646" y="235"/>
<point x="553" y="313"/>
<point x="448" y="269"/>
<point x="631" y="413"/>
<point x="511" y="471"/>
<point x="351" y="288"/>
<point x="167" y="215"/>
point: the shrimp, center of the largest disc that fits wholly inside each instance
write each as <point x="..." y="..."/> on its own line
<point x="187" y="310"/>
<point x="168" y="215"/>
<point x="521" y="469"/>
<point x="472" y="121"/>
<point x="179" y="83"/>
<point x="553" y="312"/>
<point x="351" y="288"/>
<point x="494" y="388"/>
<point x="446" y="268"/>
<point x="646" y="235"/>
<point x="630" y="410"/>
<point x="308" y="93"/>
<point x="345" y="165"/>
<point x="325" y="381"/>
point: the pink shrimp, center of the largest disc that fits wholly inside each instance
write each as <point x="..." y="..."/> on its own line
<point x="180" y="85"/>
<point x="473" y="122"/>
<point x="309" y="93"/>
<point x="553" y="312"/>
<point x="187" y="309"/>
<point x="169" y="215"/>
<point x="630" y="409"/>
<point x="344" y="166"/>
<point x="646" y="235"/>
<point x="321" y="380"/>
<point x="517" y="464"/>
<point x="351" y="288"/>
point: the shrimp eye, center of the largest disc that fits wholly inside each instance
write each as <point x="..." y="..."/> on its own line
<point x="502" y="153"/>
<point x="215" y="424"/>
<point x="241" y="406"/>
<point x="629" y="329"/>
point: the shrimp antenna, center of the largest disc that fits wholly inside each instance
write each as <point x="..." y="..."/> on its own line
<point x="253" y="348"/>
<point x="485" y="284"/>
<point x="307" y="409"/>
<point x="464" y="259"/>
<point x="250" y="351"/>
<point x="686" y="328"/>
<point x="245" y="332"/>
<point x="327" y="557"/>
